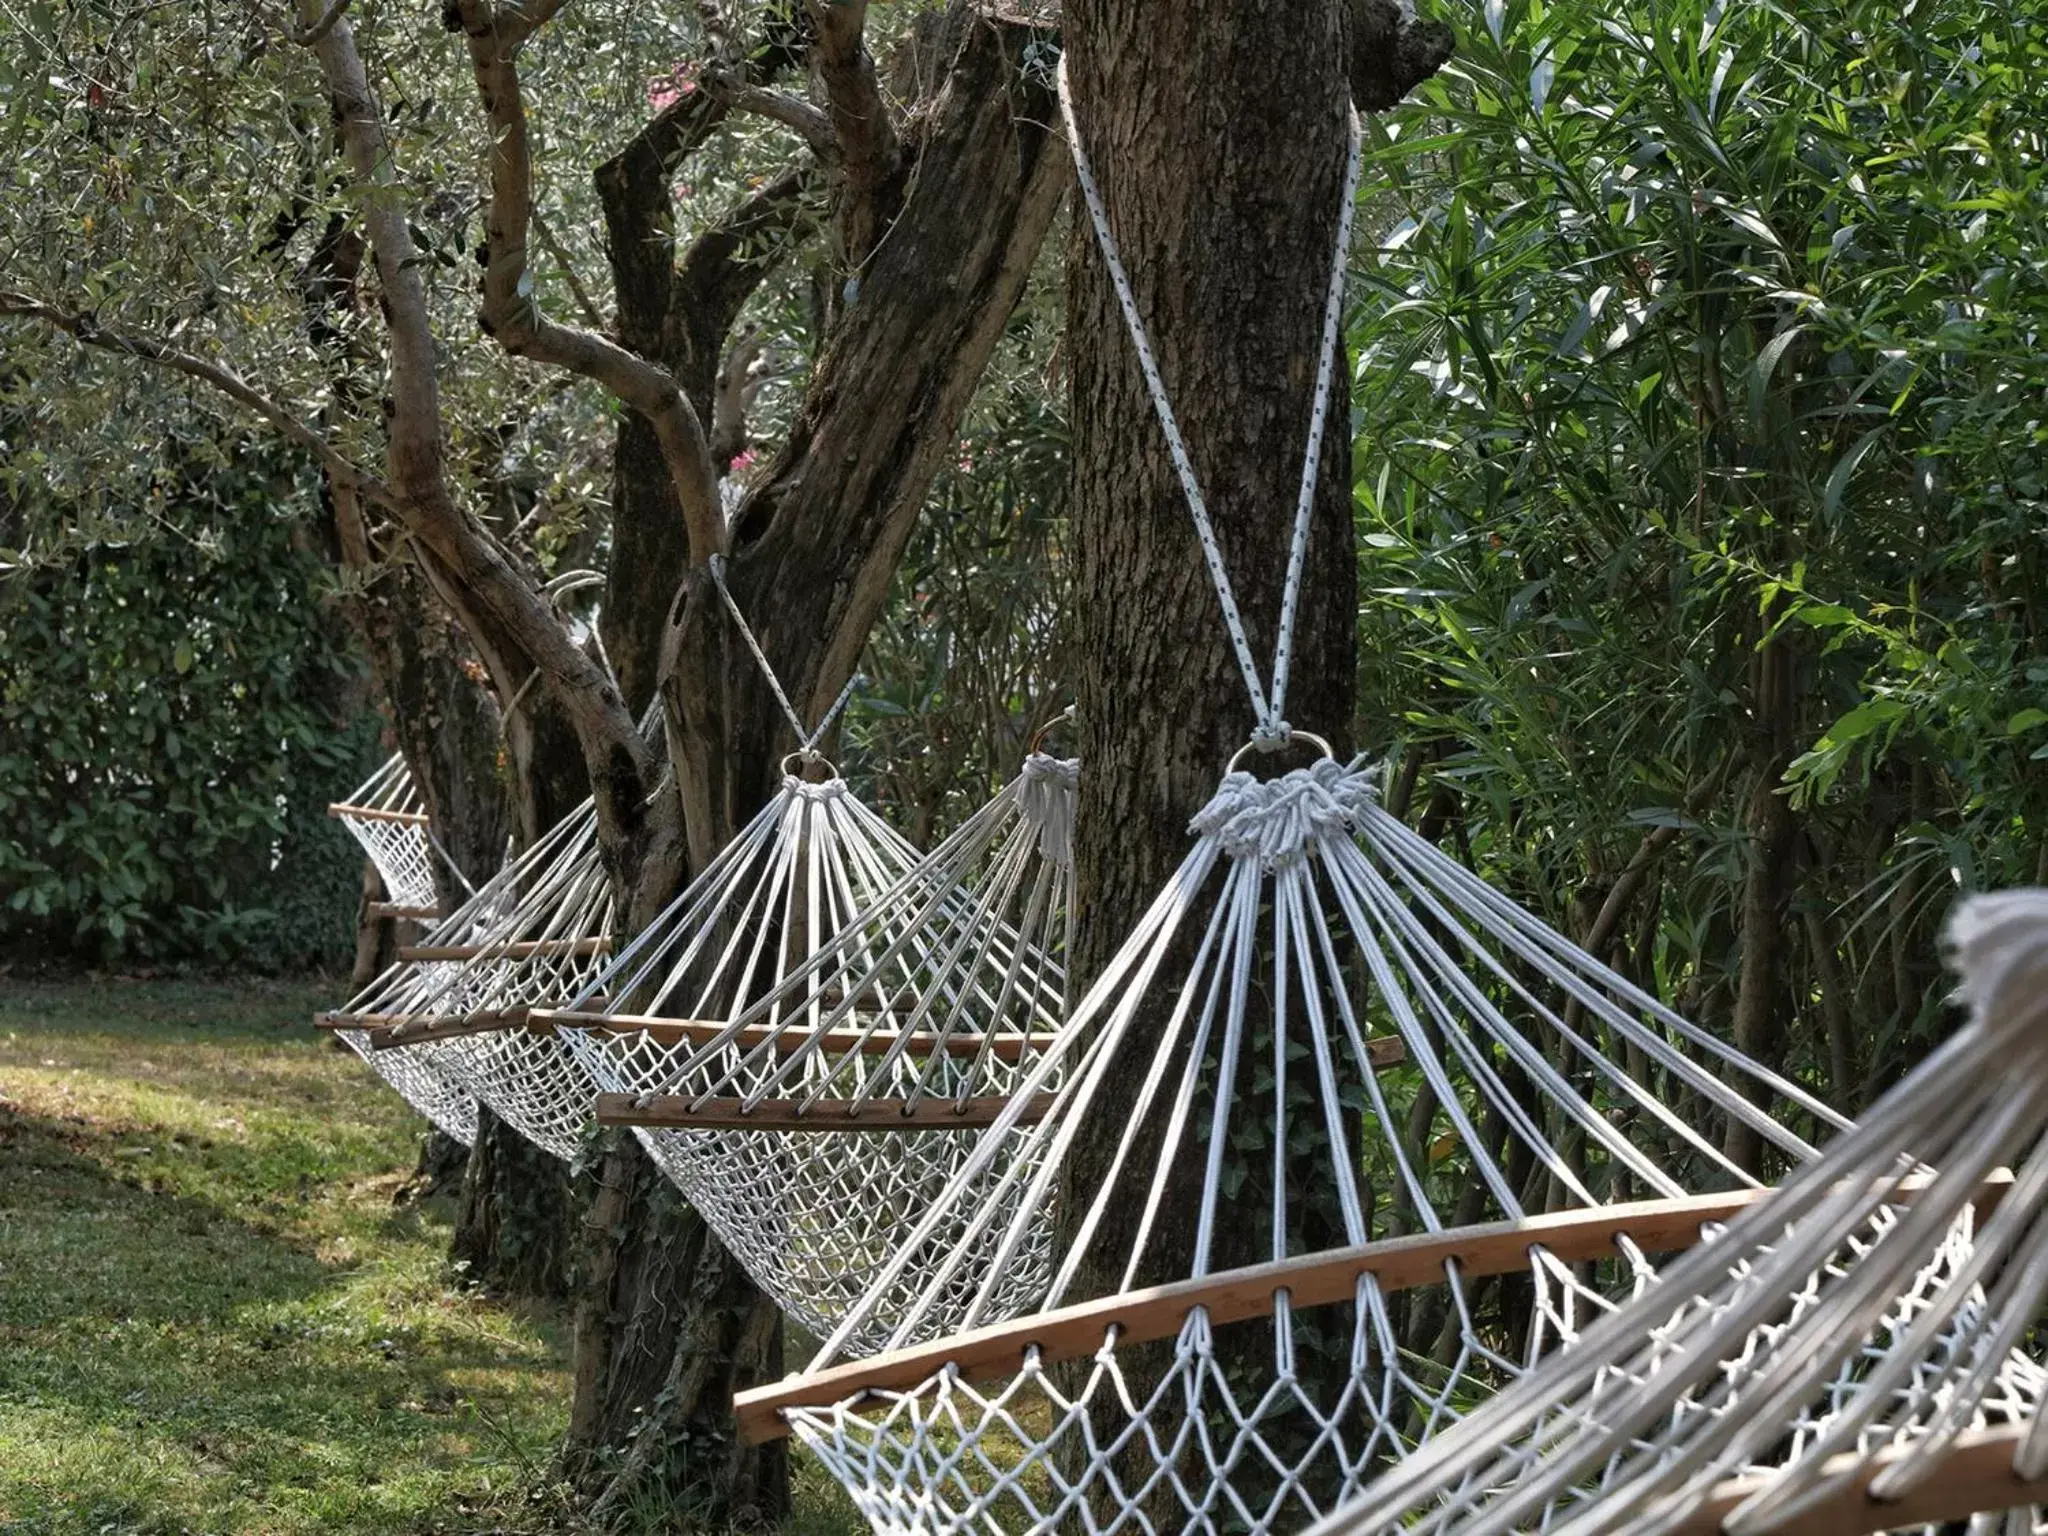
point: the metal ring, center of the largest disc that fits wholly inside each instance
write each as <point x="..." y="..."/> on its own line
<point x="1329" y="752"/>
<point x="1064" y="717"/>
<point x="807" y="756"/>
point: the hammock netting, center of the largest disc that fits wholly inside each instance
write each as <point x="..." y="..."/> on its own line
<point x="457" y="1005"/>
<point x="386" y="815"/>
<point x="1843" y="1356"/>
<point x="1440" y="1213"/>
<point x="810" y="1040"/>
<point x="420" y="1080"/>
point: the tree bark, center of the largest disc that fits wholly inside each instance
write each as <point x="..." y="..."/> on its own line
<point x="516" y="1218"/>
<point x="669" y="1325"/>
<point x="447" y="727"/>
<point x="817" y="541"/>
<point x="1217" y="133"/>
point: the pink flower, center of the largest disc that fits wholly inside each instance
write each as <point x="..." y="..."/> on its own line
<point x="743" y="461"/>
<point x="664" y="91"/>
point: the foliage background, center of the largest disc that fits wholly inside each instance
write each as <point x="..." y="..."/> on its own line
<point x="1701" y="482"/>
<point x="177" y="709"/>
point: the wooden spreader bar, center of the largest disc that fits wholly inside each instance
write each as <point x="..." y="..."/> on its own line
<point x="345" y="1021"/>
<point x="408" y="914"/>
<point x="340" y="812"/>
<point x="528" y="949"/>
<point x="398" y="1030"/>
<point x="1312" y="1280"/>
<point x="674" y="1113"/>
<point x="843" y="1041"/>
<point x="1973" y="1476"/>
<point x="388" y="1030"/>
<point x="791" y="1037"/>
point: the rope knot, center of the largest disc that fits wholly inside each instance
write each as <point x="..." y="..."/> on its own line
<point x="1270" y="735"/>
<point x="833" y="788"/>
<point x="1277" y="821"/>
<point x="1045" y="799"/>
<point x="1998" y="945"/>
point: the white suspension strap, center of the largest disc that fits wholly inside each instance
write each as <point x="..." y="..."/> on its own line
<point x="1272" y="729"/>
<point x="807" y="741"/>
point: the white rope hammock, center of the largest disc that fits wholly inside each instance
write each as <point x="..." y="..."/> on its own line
<point x="457" y="1005"/>
<point x="387" y="816"/>
<point x="1842" y="1358"/>
<point x="420" y="1080"/>
<point x="1422" y="1136"/>
<point x="810" y="1038"/>
<point x="1544" y="1129"/>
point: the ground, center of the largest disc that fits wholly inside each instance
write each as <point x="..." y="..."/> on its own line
<point x="213" y="1317"/>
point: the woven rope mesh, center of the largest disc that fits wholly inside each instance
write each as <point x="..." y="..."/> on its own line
<point x="821" y="968"/>
<point x="532" y="937"/>
<point x="421" y="1079"/>
<point x="401" y="848"/>
<point x="1862" y="1319"/>
<point x="1334" y="1036"/>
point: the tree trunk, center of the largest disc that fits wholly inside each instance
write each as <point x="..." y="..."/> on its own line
<point x="439" y="1171"/>
<point x="447" y="726"/>
<point x="668" y="1323"/>
<point x="376" y="937"/>
<point x="1217" y="134"/>
<point x="514" y="1225"/>
<point x="668" y="1328"/>
<point x="515" y="1228"/>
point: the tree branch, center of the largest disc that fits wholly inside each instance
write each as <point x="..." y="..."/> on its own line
<point x="793" y="112"/>
<point x="1392" y="53"/>
<point x="511" y="311"/>
<point x="738" y="379"/>
<point x="871" y="154"/>
<point x="675" y="313"/>
<point x="306" y="36"/>
<point x="86" y="330"/>
<point x="726" y="264"/>
<point x="498" y="605"/>
<point x="639" y="214"/>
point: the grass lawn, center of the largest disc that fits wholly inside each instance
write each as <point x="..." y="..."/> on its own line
<point x="212" y="1317"/>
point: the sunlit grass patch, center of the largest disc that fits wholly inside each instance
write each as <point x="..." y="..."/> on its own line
<point x="212" y="1317"/>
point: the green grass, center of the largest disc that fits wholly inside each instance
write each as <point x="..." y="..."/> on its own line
<point x="212" y="1316"/>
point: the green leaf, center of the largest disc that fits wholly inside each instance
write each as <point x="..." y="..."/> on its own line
<point x="1838" y="479"/>
<point x="1766" y="364"/>
<point x="1824" y="615"/>
<point x="1865" y="719"/>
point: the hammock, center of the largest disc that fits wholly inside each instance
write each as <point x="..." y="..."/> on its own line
<point x="456" y="1005"/>
<point x="1422" y="1136"/>
<point x="386" y="815"/>
<point x="808" y="1040"/>
<point x="1841" y="1358"/>
<point x="423" y="1083"/>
